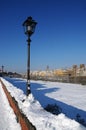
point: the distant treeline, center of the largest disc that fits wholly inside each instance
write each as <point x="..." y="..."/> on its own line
<point x="78" y="79"/>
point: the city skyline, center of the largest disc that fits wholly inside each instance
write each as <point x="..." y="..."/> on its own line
<point x="59" y="40"/>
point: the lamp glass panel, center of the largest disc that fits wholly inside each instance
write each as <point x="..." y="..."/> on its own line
<point x="29" y="28"/>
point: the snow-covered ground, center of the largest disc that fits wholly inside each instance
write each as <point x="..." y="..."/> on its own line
<point x="71" y="98"/>
<point x="7" y="117"/>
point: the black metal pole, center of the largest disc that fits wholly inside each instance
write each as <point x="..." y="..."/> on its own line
<point x="28" y="67"/>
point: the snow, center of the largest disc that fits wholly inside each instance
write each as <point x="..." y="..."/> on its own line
<point x="7" y="117"/>
<point x="70" y="97"/>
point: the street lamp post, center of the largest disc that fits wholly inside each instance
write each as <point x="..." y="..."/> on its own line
<point x="2" y="69"/>
<point x="29" y="28"/>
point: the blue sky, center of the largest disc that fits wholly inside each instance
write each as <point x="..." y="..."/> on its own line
<point x="59" y="40"/>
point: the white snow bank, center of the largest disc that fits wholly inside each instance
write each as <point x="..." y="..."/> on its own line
<point x="7" y="116"/>
<point x="38" y="116"/>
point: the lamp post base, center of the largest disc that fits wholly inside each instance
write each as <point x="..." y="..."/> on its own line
<point x="28" y="90"/>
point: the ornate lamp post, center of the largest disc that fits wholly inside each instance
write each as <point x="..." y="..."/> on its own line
<point x="29" y="28"/>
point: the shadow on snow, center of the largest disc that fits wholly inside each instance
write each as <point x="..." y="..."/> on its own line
<point x="40" y="91"/>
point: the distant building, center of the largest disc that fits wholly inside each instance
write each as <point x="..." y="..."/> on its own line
<point x="72" y="74"/>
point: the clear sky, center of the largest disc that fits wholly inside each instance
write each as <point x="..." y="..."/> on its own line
<point x="59" y="40"/>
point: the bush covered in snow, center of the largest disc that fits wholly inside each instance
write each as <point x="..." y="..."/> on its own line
<point x="80" y="120"/>
<point x="53" y="108"/>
